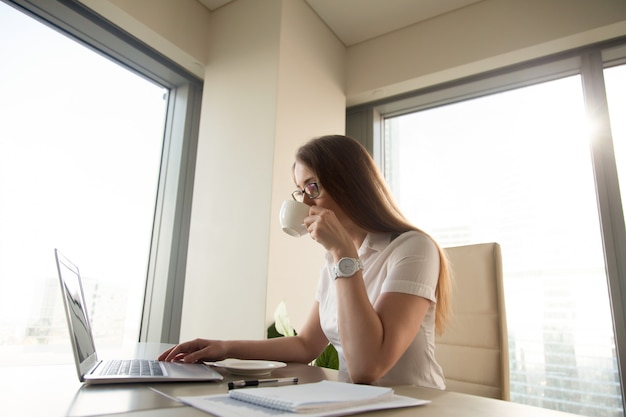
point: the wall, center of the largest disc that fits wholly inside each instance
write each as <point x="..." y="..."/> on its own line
<point x="311" y="102"/>
<point x="229" y="239"/>
<point x="487" y="35"/>
<point x="263" y="84"/>
<point x="178" y="29"/>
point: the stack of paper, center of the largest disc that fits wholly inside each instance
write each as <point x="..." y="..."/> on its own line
<point x="320" y="399"/>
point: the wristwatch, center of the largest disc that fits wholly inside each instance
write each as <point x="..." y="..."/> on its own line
<point x="346" y="267"/>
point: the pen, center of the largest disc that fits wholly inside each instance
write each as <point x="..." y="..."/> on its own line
<point x="257" y="382"/>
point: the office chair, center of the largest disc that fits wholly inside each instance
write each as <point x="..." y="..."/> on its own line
<point x="473" y="349"/>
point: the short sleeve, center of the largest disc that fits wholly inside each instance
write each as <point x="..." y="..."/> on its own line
<point x="413" y="266"/>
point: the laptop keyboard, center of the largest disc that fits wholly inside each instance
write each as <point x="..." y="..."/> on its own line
<point x="135" y="367"/>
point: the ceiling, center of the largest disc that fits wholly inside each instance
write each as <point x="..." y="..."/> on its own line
<point x="355" y="21"/>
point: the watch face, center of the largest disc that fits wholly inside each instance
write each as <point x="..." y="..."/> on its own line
<point x="346" y="266"/>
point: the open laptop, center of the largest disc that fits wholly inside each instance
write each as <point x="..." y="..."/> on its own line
<point x="90" y="369"/>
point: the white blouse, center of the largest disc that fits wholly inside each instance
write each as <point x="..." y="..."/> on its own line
<point x="407" y="264"/>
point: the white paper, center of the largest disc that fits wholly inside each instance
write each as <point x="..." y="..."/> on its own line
<point x="223" y="406"/>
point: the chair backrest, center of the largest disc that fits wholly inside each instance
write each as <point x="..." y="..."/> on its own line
<point x="473" y="350"/>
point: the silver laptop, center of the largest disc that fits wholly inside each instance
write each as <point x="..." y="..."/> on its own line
<point x="90" y="369"/>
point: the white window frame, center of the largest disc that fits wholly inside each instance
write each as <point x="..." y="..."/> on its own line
<point x="165" y="277"/>
<point x="366" y="122"/>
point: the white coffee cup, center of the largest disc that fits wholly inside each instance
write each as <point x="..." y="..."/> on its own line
<point x="292" y="214"/>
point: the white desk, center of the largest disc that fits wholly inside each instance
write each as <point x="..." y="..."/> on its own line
<point x="56" y="391"/>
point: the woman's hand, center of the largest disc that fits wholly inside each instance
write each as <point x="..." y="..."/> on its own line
<point x="324" y="227"/>
<point x="195" y="351"/>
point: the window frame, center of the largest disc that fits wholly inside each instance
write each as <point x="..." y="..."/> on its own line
<point x="365" y="121"/>
<point x="165" y="277"/>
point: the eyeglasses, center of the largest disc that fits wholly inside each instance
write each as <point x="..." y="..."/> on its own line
<point x="311" y="190"/>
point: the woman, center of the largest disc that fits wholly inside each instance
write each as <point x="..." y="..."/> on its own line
<point x="385" y="287"/>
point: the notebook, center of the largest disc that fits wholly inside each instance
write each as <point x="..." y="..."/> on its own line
<point x="318" y="396"/>
<point x="90" y="369"/>
<point x="319" y="399"/>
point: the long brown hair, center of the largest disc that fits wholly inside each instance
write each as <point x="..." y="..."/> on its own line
<point x="349" y="175"/>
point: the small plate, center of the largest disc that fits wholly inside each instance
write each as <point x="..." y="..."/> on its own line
<point x="249" y="367"/>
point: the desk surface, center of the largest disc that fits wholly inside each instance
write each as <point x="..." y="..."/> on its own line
<point x="56" y="391"/>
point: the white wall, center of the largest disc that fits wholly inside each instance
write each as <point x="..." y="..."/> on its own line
<point x="487" y="35"/>
<point x="227" y="262"/>
<point x="311" y="102"/>
<point x="274" y="78"/>
<point x="176" y="28"/>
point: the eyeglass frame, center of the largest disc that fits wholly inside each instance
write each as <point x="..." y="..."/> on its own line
<point x="301" y="192"/>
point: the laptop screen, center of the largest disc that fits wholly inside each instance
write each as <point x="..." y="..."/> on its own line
<point x="74" y="300"/>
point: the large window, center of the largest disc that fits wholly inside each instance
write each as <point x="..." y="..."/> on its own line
<point x="513" y="158"/>
<point x="84" y="140"/>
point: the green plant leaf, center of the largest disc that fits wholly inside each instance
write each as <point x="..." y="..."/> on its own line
<point x="328" y="358"/>
<point x="272" y="332"/>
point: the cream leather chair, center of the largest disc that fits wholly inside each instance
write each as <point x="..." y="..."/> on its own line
<point x="473" y="350"/>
